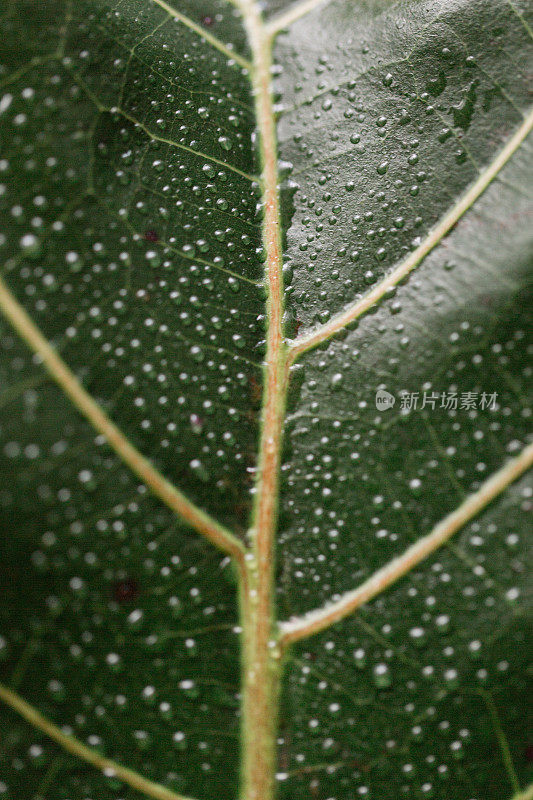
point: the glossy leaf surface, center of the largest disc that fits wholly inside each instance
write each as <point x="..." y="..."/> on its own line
<point x="138" y="226"/>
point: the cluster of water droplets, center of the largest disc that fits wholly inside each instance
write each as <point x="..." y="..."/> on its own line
<point x="131" y="235"/>
<point x="136" y="243"/>
<point x="384" y="131"/>
<point x="400" y="700"/>
<point x="112" y="611"/>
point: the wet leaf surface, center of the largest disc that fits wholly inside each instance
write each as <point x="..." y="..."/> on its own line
<point x="131" y="234"/>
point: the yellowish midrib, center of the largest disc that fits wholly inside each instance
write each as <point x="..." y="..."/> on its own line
<point x="89" y="408"/>
<point x="259" y="675"/>
<point x="87" y="754"/>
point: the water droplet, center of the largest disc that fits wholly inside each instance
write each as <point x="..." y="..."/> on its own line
<point x="382" y="676"/>
<point x="31" y="246"/>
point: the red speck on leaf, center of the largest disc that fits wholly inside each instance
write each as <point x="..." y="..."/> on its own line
<point x="125" y="591"/>
<point x="207" y="21"/>
<point x="256" y="390"/>
<point x="197" y="423"/>
<point x="151" y="236"/>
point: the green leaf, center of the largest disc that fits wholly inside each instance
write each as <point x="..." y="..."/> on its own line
<point x="265" y="342"/>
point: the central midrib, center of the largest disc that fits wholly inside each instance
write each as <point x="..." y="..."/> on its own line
<point x="260" y="670"/>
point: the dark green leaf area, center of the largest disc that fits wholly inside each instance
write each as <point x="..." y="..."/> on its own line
<point x="389" y="111"/>
<point x="116" y="620"/>
<point x="361" y="483"/>
<point x="131" y="229"/>
<point x="421" y="694"/>
<point x="25" y="752"/>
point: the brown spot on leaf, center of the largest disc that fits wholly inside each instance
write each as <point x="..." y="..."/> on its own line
<point x="125" y="591"/>
<point x="256" y="390"/>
